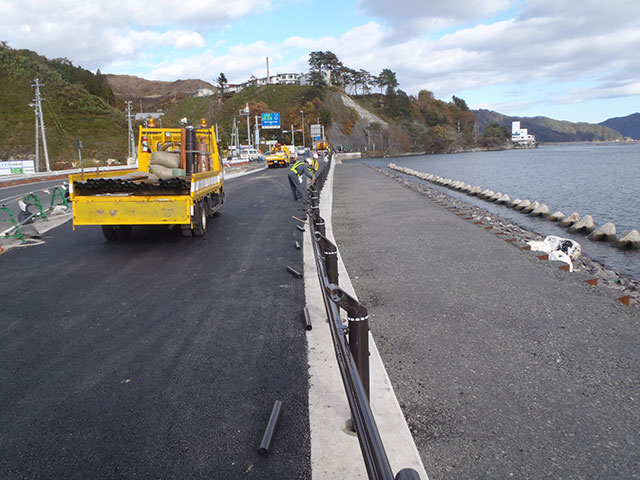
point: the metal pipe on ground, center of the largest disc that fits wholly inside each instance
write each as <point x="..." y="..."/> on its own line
<point x="267" y="438"/>
<point x="294" y="272"/>
<point x="307" y="319"/>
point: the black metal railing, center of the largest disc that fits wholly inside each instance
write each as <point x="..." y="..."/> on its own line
<point x="351" y="341"/>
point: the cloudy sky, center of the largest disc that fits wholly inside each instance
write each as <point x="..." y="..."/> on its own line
<point x="575" y="60"/>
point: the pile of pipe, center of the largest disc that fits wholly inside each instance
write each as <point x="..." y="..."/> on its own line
<point x="574" y="223"/>
<point x="143" y="184"/>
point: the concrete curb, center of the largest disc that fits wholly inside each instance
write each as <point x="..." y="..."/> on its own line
<point x="335" y="453"/>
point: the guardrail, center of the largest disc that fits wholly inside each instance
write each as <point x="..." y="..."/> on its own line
<point x="351" y="342"/>
<point x="25" y="216"/>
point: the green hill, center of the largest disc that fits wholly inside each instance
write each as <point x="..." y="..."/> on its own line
<point x="76" y="106"/>
<point x="628" y="126"/>
<point x="550" y="130"/>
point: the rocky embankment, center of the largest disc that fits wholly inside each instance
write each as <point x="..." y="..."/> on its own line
<point x="619" y="284"/>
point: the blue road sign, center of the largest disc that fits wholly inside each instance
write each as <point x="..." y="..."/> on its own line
<point x="271" y="120"/>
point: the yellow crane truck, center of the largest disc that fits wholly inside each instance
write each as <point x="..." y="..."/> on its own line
<point x="179" y="181"/>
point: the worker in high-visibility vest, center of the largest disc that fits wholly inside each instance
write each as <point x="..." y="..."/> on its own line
<point x="296" y="180"/>
<point x="314" y="162"/>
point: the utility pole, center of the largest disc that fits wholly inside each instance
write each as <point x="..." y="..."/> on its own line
<point x="256" y="133"/>
<point x="38" y="102"/>
<point x="245" y="113"/>
<point x="129" y="104"/>
<point x="302" y="113"/>
<point x="35" y="110"/>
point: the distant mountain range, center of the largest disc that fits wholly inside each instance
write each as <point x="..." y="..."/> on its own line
<point x="628" y="126"/>
<point x="550" y="130"/>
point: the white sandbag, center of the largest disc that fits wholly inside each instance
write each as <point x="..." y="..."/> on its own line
<point x="166" y="159"/>
<point x="161" y="171"/>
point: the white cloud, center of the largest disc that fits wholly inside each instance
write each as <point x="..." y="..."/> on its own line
<point x="445" y="12"/>
<point x="93" y="33"/>
<point x="189" y="40"/>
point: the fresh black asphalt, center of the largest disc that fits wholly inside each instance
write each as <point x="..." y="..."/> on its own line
<point x="159" y="357"/>
<point x="505" y="366"/>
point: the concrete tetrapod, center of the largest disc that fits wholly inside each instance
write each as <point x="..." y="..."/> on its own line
<point x="570" y="220"/>
<point x="605" y="232"/>
<point x="530" y="208"/>
<point x="542" y="211"/>
<point x="585" y="225"/>
<point x="556" y="216"/>
<point x="495" y="197"/>
<point x="631" y="239"/>
<point x="523" y="204"/>
<point x="514" y="203"/>
<point x="503" y="200"/>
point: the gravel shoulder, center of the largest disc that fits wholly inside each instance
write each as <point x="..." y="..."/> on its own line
<point x="503" y="364"/>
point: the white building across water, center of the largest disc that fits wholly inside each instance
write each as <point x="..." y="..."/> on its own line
<point x="521" y="136"/>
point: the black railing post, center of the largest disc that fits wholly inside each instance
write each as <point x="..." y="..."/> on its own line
<point x="358" y="331"/>
<point x="330" y="255"/>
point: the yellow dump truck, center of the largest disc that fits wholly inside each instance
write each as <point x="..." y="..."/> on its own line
<point x="279" y="156"/>
<point x="178" y="182"/>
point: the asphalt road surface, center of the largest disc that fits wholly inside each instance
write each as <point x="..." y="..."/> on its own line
<point x="159" y="357"/>
<point x="505" y="366"/>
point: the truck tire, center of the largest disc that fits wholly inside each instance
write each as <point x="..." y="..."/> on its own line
<point x="200" y="221"/>
<point x="123" y="232"/>
<point x="109" y="232"/>
<point x="185" y="231"/>
<point x="116" y="232"/>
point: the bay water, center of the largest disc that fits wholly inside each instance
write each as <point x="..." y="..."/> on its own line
<point x="597" y="179"/>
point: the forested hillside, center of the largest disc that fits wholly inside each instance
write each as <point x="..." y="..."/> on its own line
<point x="550" y="130"/>
<point x="628" y="126"/>
<point x="76" y="106"/>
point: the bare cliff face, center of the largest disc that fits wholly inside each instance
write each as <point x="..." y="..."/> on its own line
<point x="130" y="87"/>
<point x="352" y="122"/>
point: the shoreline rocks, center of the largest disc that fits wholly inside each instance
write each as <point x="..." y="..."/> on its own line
<point x="499" y="225"/>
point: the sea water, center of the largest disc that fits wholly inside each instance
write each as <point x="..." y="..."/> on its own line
<point x="597" y="179"/>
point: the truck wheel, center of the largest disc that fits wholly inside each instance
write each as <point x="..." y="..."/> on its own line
<point x="123" y="232"/>
<point x="185" y="230"/>
<point x="116" y="232"/>
<point x="200" y="221"/>
<point x="109" y="232"/>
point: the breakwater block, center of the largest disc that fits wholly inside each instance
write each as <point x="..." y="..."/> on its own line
<point x="626" y="300"/>
<point x="631" y="239"/>
<point x="570" y="220"/>
<point x="556" y="216"/>
<point x="585" y="225"/>
<point x="531" y="207"/>
<point x="541" y="211"/>
<point x="592" y="281"/>
<point x="605" y="232"/>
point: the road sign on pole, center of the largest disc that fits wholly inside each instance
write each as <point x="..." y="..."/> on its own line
<point x="316" y="129"/>
<point x="271" y="120"/>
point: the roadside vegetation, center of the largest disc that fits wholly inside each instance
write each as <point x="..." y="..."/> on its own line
<point x="81" y="105"/>
<point x="77" y="105"/>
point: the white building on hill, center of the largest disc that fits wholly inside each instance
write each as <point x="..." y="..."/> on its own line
<point x="521" y="136"/>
